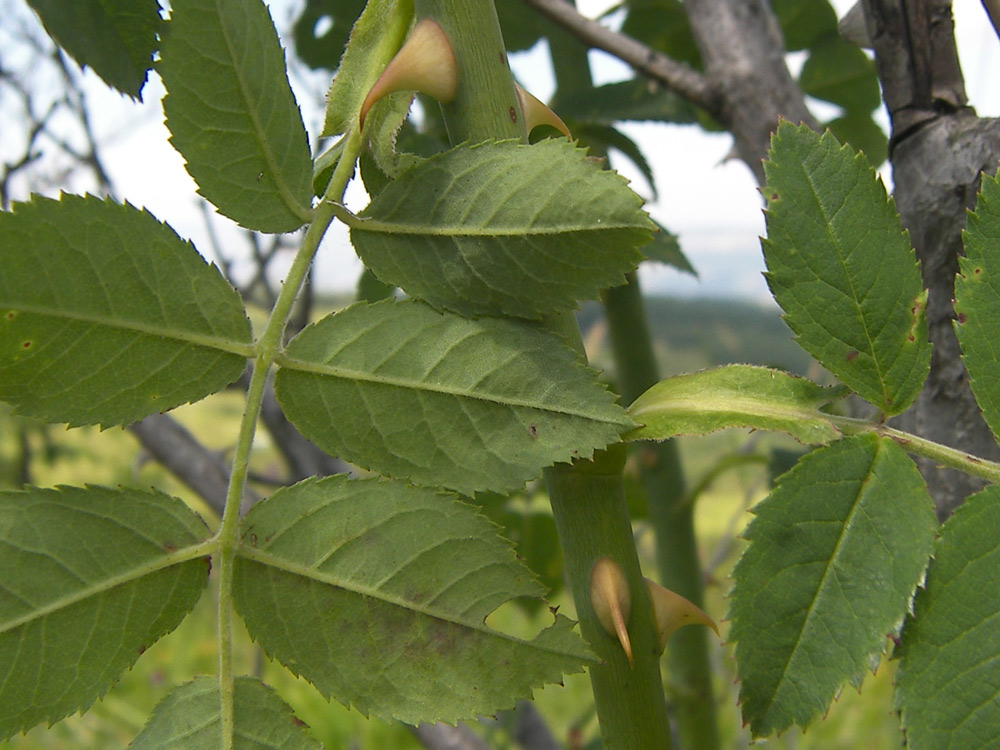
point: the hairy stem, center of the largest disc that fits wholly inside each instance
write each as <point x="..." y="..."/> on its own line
<point x="267" y="348"/>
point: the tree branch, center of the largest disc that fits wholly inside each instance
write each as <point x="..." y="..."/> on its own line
<point x="446" y="737"/>
<point x="676" y="76"/>
<point x="179" y="451"/>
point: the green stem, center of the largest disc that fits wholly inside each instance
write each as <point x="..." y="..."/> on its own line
<point x="267" y="348"/>
<point x="588" y="500"/>
<point x="689" y="673"/>
<point x="918" y="446"/>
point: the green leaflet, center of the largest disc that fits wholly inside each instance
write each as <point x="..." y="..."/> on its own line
<point x="839" y="72"/>
<point x="948" y="683"/>
<point x="842" y="269"/>
<point x="836" y="552"/>
<point x="377" y="35"/>
<point x="107" y="316"/>
<point x="232" y="115"/>
<point x="376" y="592"/>
<point x="399" y="388"/>
<point x="91" y="577"/>
<point x="501" y="228"/>
<point x="116" y="38"/>
<point x="189" y="718"/>
<point x="734" y="396"/>
<point x="977" y="301"/>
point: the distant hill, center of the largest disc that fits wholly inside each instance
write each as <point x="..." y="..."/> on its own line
<point x="692" y="334"/>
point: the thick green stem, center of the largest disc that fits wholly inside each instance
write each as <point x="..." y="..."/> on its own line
<point x="689" y="671"/>
<point x="587" y="498"/>
<point x="267" y="349"/>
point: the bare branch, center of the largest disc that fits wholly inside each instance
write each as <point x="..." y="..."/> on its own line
<point x="678" y="77"/>
<point x="179" y="451"/>
<point x="445" y="737"/>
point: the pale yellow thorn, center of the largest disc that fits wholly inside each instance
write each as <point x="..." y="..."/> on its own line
<point x="425" y="63"/>
<point x="612" y="603"/>
<point x="673" y="611"/>
<point x="536" y="112"/>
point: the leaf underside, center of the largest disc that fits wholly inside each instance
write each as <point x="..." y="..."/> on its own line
<point x="977" y="301"/>
<point x="734" y="396"/>
<point x="107" y="316"/>
<point x="189" y="717"/>
<point x="836" y="552"/>
<point x="232" y="115"/>
<point x="948" y="682"/>
<point x="410" y="392"/>
<point x="87" y="586"/>
<point x="842" y="269"/>
<point x="408" y="575"/>
<point x="501" y="228"/>
<point x="116" y="38"/>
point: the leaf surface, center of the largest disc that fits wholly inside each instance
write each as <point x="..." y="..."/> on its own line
<point x="107" y="316"/>
<point x="504" y="229"/>
<point x="948" y="682"/>
<point x="836" y="552"/>
<point x="232" y="115"/>
<point x="189" y="717"/>
<point x="977" y="301"/>
<point x="399" y="388"/>
<point x="116" y="38"/>
<point x="734" y="396"/>
<point x="376" y="592"/>
<point x="843" y="270"/>
<point x="91" y="578"/>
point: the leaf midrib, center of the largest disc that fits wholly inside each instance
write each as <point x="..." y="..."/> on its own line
<point x="377" y="226"/>
<point x="287" y="566"/>
<point x="412" y="384"/>
<point x="863" y="488"/>
<point x="230" y="346"/>
<point x="181" y="556"/>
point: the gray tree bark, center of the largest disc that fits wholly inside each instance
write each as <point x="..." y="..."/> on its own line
<point x="939" y="149"/>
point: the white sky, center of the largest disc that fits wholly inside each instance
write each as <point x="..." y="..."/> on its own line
<point x="711" y="203"/>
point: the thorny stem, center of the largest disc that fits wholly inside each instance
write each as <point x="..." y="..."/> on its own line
<point x="267" y="349"/>
<point x="588" y="500"/>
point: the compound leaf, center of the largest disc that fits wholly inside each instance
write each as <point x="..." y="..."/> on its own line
<point x="835" y="554"/>
<point x="107" y="316"/>
<point x="91" y="577"/>
<point x="504" y="229"/>
<point x="948" y="682"/>
<point x="977" y="301"/>
<point x="232" y="115"/>
<point x="377" y="592"/>
<point x="843" y="270"/>
<point x="114" y="37"/>
<point x="189" y="717"/>
<point x="734" y="396"/>
<point x="405" y="390"/>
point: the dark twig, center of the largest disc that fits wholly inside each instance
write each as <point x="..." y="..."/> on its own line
<point x="677" y="77"/>
<point x="530" y="730"/>
<point x="446" y="737"/>
<point x="185" y="457"/>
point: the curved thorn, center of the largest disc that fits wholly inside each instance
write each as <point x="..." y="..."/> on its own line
<point x="425" y="63"/>
<point x="673" y="611"/>
<point x="612" y="603"/>
<point x="537" y="112"/>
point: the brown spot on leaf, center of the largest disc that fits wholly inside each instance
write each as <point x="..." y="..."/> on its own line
<point x="11" y="314"/>
<point x="533" y="431"/>
<point x="513" y="114"/>
<point x="26" y="345"/>
<point x="852" y="355"/>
